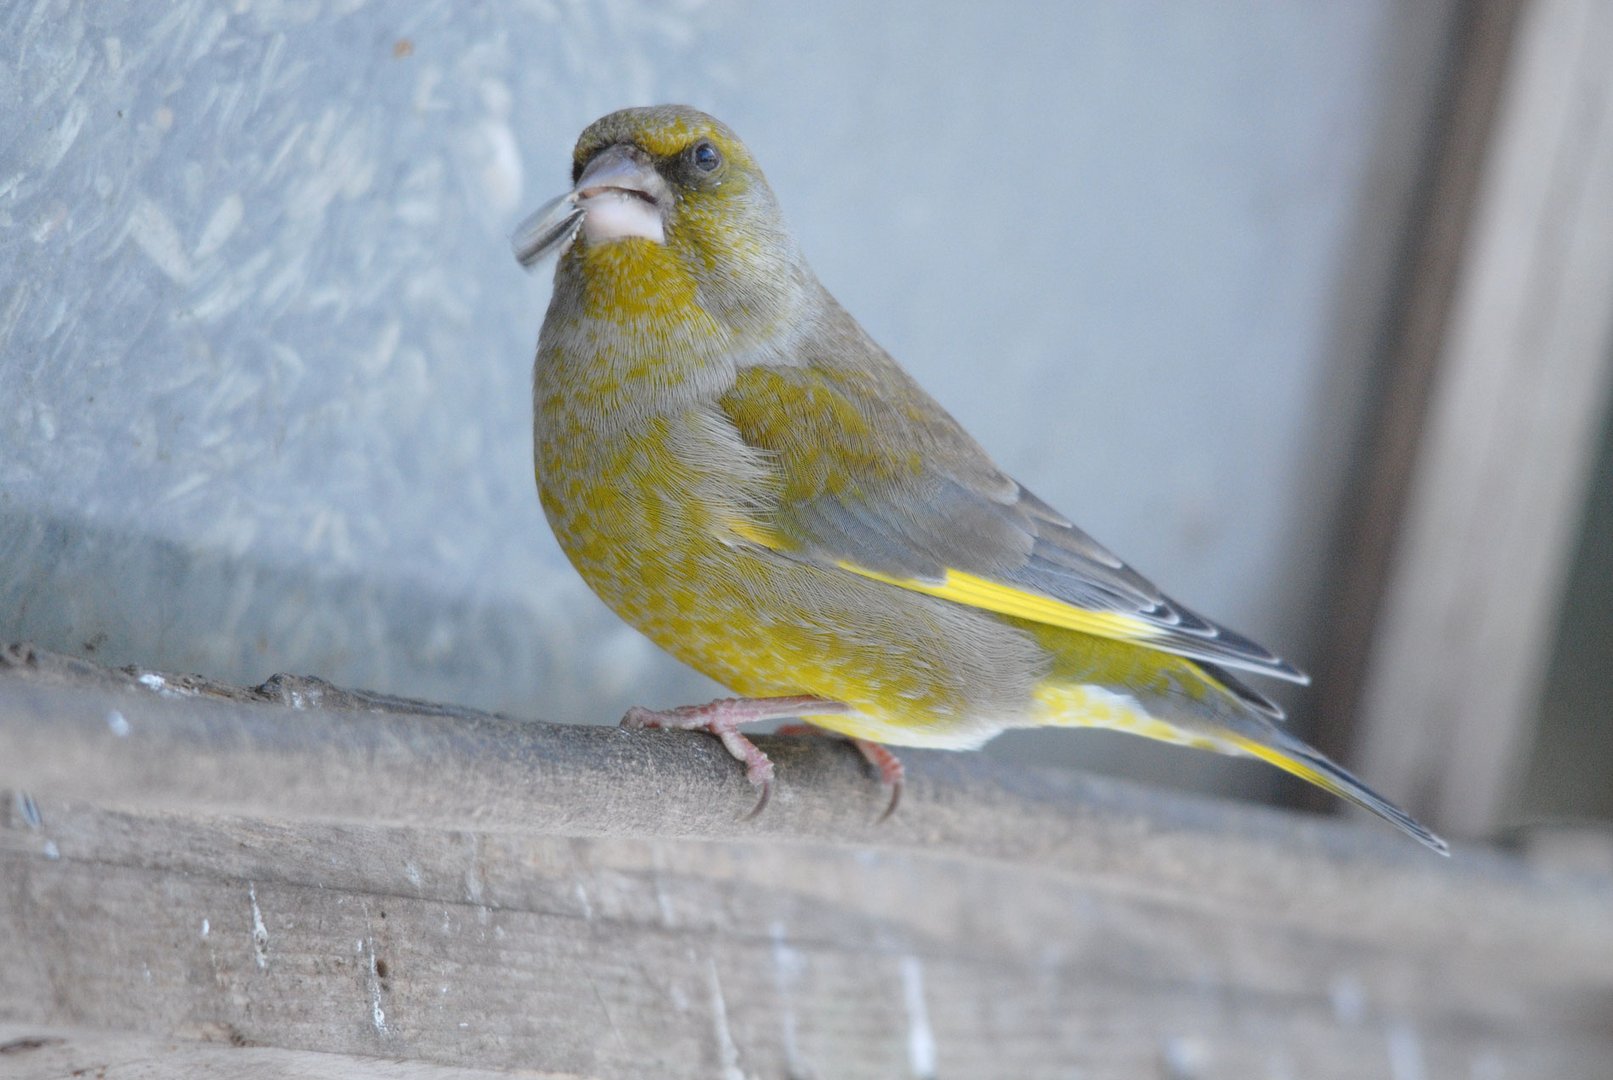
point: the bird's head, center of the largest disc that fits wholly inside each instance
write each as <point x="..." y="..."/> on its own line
<point x="667" y="206"/>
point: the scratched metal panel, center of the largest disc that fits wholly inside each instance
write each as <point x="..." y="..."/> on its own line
<point x="264" y="354"/>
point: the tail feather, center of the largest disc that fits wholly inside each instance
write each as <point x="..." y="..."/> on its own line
<point x="1211" y="711"/>
<point x="1300" y="760"/>
<point x="1222" y="679"/>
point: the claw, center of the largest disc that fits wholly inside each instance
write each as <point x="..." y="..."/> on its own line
<point x="639" y="718"/>
<point x="722" y="719"/>
<point x="761" y="801"/>
<point x="891" y="773"/>
<point x="890" y="808"/>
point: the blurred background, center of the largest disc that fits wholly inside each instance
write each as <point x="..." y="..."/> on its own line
<point x="1302" y="308"/>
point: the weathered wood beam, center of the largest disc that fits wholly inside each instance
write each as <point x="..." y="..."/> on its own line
<point x="33" y="1052"/>
<point x="363" y="877"/>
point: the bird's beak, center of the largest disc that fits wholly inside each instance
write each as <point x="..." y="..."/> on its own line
<point x="618" y="195"/>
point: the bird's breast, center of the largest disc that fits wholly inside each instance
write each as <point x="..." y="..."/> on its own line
<point x="644" y="510"/>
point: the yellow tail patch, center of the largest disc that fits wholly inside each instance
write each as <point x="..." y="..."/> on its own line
<point x="1291" y="765"/>
<point x="1078" y="705"/>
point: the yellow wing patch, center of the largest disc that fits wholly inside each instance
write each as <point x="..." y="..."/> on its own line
<point x="975" y="591"/>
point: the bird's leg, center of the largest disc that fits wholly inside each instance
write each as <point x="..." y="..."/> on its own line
<point x="891" y="773"/>
<point x="723" y="718"/>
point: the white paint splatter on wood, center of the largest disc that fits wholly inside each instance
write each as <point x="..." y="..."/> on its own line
<point x="727" y="1052"/>
<point x="920" y="1038"/>
<point x="1183" y="1057"/>
<point x="1349" y="999"/>
<point x="260" y="932"/>
<point x="788" y="965"/>
<point x="377" y="1013"/>
<point x="1405" y="1053"/>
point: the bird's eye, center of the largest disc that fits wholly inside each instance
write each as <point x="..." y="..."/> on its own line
<point x="705" y="156"/>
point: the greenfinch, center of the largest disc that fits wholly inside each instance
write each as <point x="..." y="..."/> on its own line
<point x="742" y="474"/>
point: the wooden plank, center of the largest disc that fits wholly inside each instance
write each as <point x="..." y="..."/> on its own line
<point x="34" y="1052"/>
<point x="193" y="863"/>
<point x="1523" y="384"/>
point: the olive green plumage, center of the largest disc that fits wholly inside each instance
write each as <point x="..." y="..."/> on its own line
<point x="745" y="476"/>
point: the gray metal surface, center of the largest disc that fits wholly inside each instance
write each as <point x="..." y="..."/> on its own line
<point x="264" y="354"/>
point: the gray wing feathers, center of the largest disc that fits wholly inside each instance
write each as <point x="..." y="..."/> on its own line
<point x="932" y="500"/>
<point x="922" y="532"/>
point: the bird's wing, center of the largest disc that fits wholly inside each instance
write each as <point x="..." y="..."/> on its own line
<point x="876" y="479"/>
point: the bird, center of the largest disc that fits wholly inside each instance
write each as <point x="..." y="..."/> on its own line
<point x="741" y="473"/>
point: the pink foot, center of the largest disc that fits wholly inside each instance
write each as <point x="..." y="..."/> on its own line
<point x="723" y="717"/>
<point x="891" y="773"/>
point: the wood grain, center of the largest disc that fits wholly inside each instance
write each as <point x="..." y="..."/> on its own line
<point x="356" y="878"/>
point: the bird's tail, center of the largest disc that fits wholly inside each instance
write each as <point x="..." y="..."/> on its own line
<point x="1253" y="726"/>
<point x="1293" y="756"/>
<point x="1216" y="713"/>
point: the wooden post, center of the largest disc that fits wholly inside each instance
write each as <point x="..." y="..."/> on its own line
<point x="1437" y="242"/>
<point x="1522" y="386"/>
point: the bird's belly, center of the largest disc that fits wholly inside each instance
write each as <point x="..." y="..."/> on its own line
<point x="645" y="525"/>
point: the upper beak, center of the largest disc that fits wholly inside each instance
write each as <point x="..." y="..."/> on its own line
<point x="619" y="194"/>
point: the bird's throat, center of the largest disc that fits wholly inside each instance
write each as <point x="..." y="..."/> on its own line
<point x="631" y="279"/>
